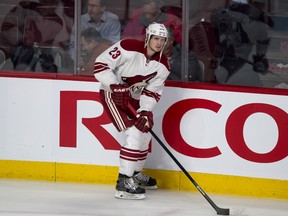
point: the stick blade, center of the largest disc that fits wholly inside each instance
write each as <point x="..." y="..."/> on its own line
<point x="222" y="211"/>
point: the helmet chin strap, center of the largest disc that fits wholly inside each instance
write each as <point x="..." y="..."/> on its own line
<point x="161" y="52"/>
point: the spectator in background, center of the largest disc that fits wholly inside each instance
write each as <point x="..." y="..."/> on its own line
<point x="202" y="42"/>
<point x="13" y="26"/>
<point x="28" y="27"/>
<point x="151" y="11"/>
<point x="106" y="23"/>
<point x="175" y="61"/>
<point x="92" y="46"/>
<point x="242" y="40"/>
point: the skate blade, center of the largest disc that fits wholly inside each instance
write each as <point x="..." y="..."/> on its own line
<point x="125" y="195"/>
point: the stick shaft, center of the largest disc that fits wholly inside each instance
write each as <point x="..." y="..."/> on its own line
<point x="220" y="211"/>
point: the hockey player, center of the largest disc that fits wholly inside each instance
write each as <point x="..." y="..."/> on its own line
<point x="243" y="41"/>
<point x="133" y="72"/>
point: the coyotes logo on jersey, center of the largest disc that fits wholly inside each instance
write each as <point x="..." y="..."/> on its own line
<point x="139" y="82"/>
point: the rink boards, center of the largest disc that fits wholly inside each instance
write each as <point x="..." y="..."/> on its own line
<point x="232" y="140"/>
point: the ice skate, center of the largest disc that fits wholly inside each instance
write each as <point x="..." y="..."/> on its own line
<point x="128" y="189"/>
<point x="145" y="181"/>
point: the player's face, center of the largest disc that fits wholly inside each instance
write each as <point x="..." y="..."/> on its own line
<point x="156" y="43"/>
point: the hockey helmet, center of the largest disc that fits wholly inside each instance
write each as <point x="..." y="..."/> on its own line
<point x="222" y="20"/>
<point x="155" y="29"/>
<point x="158" y="30"/>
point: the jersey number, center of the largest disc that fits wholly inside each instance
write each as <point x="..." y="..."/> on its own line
<point x="115" y="53"/>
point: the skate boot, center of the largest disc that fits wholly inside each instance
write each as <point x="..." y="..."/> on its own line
<point x="145" y="181"/>
<point x="128" y="189"/>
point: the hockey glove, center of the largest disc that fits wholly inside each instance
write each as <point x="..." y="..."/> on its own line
<point x="120" y="94"/>
<point x="261" y="64"/>
<point x="144" y="121"/>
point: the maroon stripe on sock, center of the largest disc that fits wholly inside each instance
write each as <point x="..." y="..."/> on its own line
<point x="128" y="159"/>
<point x="129" y="154"/>
<point x="143" y="155"/>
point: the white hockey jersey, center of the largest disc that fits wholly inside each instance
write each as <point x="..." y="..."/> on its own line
<point x="126" y="62"/>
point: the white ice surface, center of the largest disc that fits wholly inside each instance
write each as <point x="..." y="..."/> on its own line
<point x="25" y="198"/>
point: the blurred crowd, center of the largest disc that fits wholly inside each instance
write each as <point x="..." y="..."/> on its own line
<point x="228" y="40"/>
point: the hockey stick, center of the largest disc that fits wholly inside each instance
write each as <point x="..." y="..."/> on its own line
<point x="220" y="211"/>
<point x="253" y="64"/>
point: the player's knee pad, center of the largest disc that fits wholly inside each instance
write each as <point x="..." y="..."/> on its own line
<point x="146" y="138"/>
<point x="136" y="139"/>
